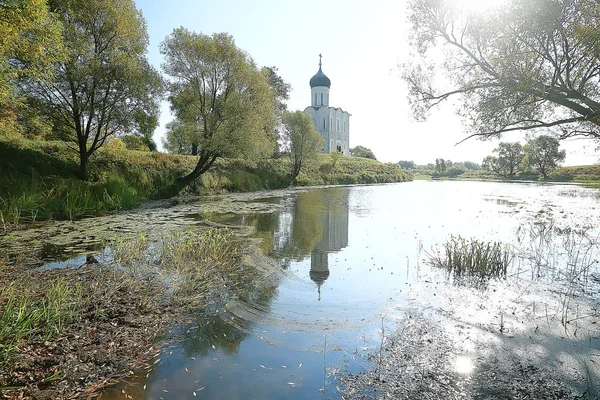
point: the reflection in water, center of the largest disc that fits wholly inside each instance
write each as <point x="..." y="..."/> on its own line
<point x="334" y="219"/>
<point x="317" y="225"/>
<point x="266" y="339"/>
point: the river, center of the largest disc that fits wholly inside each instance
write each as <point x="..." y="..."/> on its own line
<point x="354" y="274"/>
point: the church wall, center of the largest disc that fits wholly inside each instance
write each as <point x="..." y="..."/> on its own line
<point x="319" y="96"/>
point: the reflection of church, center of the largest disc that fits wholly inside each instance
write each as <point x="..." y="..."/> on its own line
<point x="335" y="235"/>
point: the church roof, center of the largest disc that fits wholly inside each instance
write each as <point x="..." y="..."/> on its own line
<point x="320" y="79"/>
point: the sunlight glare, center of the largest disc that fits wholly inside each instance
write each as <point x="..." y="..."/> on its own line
<point x="463" y="365"/>
<point x="477" y="5"/>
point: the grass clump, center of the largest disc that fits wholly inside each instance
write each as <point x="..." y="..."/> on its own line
<point x="25" y="317"/>
<point x="183" y="265"/>
<point x="472" y="258"/>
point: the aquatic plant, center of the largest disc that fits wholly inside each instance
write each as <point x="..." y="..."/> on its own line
<point x="472" y="258"/>
<point x="184" y="263"/>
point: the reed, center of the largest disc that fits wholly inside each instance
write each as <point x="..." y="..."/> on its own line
<point x="472" y="258"/>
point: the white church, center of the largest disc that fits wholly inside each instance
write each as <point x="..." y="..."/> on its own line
<point x="332" y="122"/>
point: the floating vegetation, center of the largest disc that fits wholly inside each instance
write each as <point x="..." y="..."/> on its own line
<point x="472" y="258"/>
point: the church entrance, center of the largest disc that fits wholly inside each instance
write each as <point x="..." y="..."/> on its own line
<point x="339" y="148"/>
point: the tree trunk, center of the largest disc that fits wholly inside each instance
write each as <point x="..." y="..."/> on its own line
<point x="194" y="149"/>
<point x="83" y="166"/>
<point x="205" y="161"/>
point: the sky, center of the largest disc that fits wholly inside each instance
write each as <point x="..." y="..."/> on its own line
<point x="362" y="43"/>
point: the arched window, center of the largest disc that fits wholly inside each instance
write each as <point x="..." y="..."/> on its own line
<point x="321" y="98"/>
<point x="315" y="103"/>
<point x="323" y="123"/>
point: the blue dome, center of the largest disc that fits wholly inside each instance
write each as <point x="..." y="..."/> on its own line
<point x="320" y="79"/>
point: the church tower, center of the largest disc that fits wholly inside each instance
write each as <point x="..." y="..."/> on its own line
<point x="333" y="123"/>
<point x="319" y="88"/>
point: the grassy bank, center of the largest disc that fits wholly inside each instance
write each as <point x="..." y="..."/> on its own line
<point x="38" y="180"/>
<point x="578" y="174"/>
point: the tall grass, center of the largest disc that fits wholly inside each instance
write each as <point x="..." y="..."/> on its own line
<point x="64" y="199"/>
<point x="472" y="258"/>
<point x="184" y="263"/>
<point x="25" y="317"/>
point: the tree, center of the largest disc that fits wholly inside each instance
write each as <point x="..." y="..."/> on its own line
<point x="30" y="40"/>
<point x="543" y="154"/>
<point x="305" y="142"/>
<point x="360" y="151"/>
<point x="280" y="88"/>
<point x="440" y="165"/>
<point x="147" y="123"/>
<point x="181" y="138"/>
<point x="105" y="79"/>
<point x="217" y="89"/>
<point x="506" y="164"/>
<point x="491" y="163"/>
<point x="407" y="164"/>
<point x="280" y="91"/>
<point x="471" y="166"/>
<point x="520" y="66"/>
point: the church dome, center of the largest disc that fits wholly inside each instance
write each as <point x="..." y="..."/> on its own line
<point x="320" y="79"/>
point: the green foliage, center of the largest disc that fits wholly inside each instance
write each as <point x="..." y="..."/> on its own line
<point x="280" y="88"/>
<point x="217" y="89"/>
<point x="24" y="316"/>
<point x="509" y="159"/>
<point x="30" y="41"/>
<point x="303" y="140"/>
<point x="105" y="83"/>
<point x="543" y="154"/>
<point x="133" y="142"/>
<point x="440" y="165"/>
<point x="467" y="259"/>
<point x="360" y="151"/>
<point x="407" y="164"/>
<point x="510" y="67"/>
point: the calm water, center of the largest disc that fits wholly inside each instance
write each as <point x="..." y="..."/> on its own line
<point x="353" y="259"/>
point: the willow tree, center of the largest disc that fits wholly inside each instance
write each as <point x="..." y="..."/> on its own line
<point x="302" y="139"/>
<point x="104" y="81"/>
<point x="30" y="40"/>
<point x="523" y="65"/>
<point x="216" y="89"/>
<point x="543" y="154"/>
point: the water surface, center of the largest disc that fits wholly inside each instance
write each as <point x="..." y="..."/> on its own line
<point x="354" y="271"/>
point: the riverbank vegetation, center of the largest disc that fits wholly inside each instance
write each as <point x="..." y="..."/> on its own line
<point x="73" y="331"/>
<point x="39" y="179"/>
<point x="538" y="159"/>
